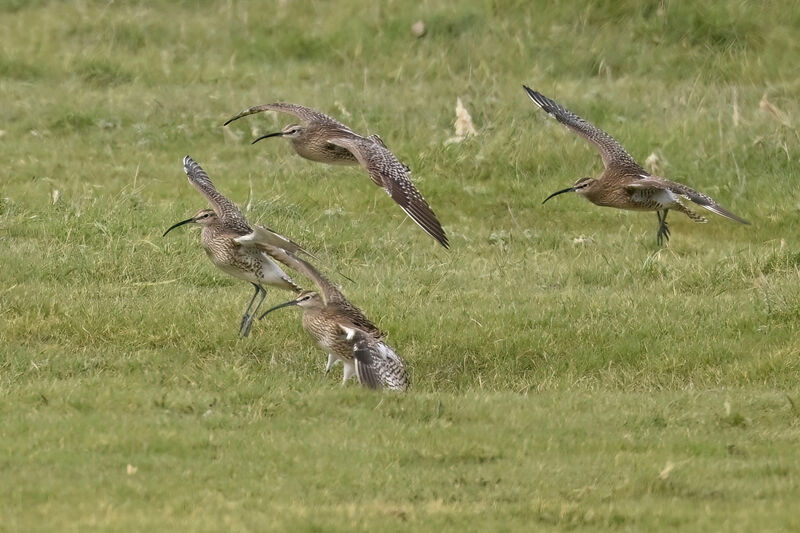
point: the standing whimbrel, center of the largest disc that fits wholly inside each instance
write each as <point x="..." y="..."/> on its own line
<point x="342" y="330"/>
<point x="234" y="246"/>
<point x="624" y="183"/>
<point x="326" y="140"/>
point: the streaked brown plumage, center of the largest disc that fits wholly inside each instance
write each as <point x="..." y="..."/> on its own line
<point x="625" y="184"/>
<point x="234" y="246"/>
<point x="342" y="330"/>
<point x="326" y="140"/>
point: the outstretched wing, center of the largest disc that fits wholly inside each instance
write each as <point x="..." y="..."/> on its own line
<point x="342" y="310"/>
<point x="377" y="365"/>
<point x="703" y="200"/>
<point x="224" y="208"/>
<point x="306" y="114"/>
<point x="261" y="236"/>
<point x="395" y="177"/>
<point x="612" y="152"/>
<point x="328" y="290"/>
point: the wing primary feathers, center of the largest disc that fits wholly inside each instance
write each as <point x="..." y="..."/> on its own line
<point x="611" y="151"/>
<point x="703" y="200"/>
<point x="224" y="208"/>
<point x="388" y="172"/>
<point x="377" y="366"/>
<point x="718" y="209"/>
<point x="699" y="198"/>
<point x="366" y="368"/>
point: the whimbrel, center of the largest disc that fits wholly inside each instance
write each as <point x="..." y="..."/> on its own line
<point x="342" y="330"/>
<point x="625" y="184"/>
<point x="234" y="246"/>
<point x="326" y="140"/>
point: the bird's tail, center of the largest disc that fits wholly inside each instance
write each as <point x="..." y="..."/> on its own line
<point x="377" y="364"/>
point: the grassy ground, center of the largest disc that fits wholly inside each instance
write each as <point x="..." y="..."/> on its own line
<point x="568" y="374"/>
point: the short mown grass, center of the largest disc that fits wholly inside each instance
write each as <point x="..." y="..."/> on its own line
<point x="567" y="373"/>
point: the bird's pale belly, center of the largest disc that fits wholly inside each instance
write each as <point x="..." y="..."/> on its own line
<point x="651" y="200"/>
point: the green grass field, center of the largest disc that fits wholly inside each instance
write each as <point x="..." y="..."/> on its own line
<point x="567" y="373"/>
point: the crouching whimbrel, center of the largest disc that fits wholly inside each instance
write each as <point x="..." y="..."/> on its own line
<point x="342" y="330"/>
<point x="326" y="140"/>
<point x="624" y="183"/>
<point x="234" y="246"/>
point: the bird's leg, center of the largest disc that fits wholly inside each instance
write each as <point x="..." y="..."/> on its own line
<point x="663" y="229"/>
<point x="332" y="360"/>
<point x="247" y="319"/>
<point x="349" y="370"/>
<point x="261" y="301"/>
<point x="247" y="315"/>
<point x="254" y="314"/>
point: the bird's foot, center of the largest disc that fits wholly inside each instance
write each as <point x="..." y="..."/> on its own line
<point x="331" y="363"/>
<point x="663" y="234"/>
<point x="247" y="323"/>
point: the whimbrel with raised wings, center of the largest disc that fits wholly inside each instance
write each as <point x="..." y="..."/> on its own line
<point x="326" y="140"/>
<point x="625" y="184"/>
<point x="342" y="330"/>
<point x="234" y="246"/>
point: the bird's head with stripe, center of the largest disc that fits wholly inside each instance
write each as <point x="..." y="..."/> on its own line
<point x="204" y="217"/>
<point x="583" y="187"/>
<point x="292" y="131"/>
<point x="306" y="299"/>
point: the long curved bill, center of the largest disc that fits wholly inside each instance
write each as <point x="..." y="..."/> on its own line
<point x="268" y="135"/>
<point x="562" y="191"/>
<point x="181" y="223"/>
<point x="287" y="304"/>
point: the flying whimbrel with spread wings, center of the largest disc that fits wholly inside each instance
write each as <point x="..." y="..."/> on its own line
<point x="624" y="183"/>
<point x="326" y="140"/>
<point x="342" y="330"/>
<point x="236" y="247"/>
